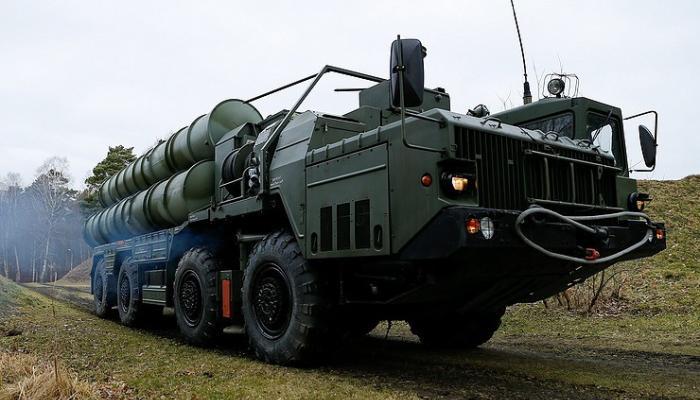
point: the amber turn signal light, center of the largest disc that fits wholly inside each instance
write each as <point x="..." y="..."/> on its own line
<point x="473" y="226"/>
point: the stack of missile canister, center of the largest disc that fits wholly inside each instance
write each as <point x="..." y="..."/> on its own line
<point x="162" y="187"/>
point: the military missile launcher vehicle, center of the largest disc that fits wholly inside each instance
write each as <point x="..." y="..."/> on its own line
<point x="307" y="228"/>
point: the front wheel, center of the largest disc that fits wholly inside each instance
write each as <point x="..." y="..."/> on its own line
<point x="285" y="306"/>
<point x="455" y="330"/>
<point x="195" y="296"/>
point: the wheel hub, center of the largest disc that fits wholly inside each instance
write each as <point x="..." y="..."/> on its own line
<point x="124" y="294"/>
<point x="271" y="301"/>
<point x="191" y="298"/>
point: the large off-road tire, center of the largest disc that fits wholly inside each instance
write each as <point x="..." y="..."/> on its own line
<point x="131" y="311"/>
<point x="195" y="295"/>
<point x="285" y="304"/>
<point x="454" y="330"/>
<point x="103" y="290"/>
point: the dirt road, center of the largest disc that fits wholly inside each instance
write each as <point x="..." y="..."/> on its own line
<point x="394" y="365"/>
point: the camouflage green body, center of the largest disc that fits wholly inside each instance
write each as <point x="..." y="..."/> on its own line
<point x="353" y="191"/>
<point x="358" y="162"/>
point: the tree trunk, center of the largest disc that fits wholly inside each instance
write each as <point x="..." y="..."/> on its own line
<point x="5" y="264"/>
<point x="45" y="266"/>
<point x="18" y="272"/>
<point x="33" y="262"/>
<point x="6" y="267"/>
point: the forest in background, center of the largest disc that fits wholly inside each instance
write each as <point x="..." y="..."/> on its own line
<point x="41" y="223"/>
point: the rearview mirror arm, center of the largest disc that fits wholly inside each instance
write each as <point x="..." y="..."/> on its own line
<point x="656" y="130"/>
<point x="401" y="68"/>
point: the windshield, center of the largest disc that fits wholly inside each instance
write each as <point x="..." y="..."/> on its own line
<point x="605" y="134"/>
<point x="562" y="124"/>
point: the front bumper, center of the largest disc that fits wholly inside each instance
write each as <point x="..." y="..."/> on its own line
<point x="446" y="237"/>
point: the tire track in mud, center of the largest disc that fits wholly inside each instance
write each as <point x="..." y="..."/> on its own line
<point x="76" y="295"/>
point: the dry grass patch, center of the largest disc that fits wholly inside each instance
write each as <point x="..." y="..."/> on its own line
<point x="24" y="376"/>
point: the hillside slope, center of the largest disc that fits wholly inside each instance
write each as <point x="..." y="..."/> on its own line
<point x="670" y="281"/>
<point x="80" y="275"/>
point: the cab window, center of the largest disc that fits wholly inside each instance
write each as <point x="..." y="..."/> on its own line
<point x="562" y="124"/>
<point x="604" y="132"/>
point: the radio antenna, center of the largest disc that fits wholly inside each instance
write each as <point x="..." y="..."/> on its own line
<point x="527" y="95"/>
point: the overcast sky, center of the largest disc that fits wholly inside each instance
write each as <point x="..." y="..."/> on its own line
<point x="79" y="76"/>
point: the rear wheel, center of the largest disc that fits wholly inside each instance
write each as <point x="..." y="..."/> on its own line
<point x="457" y="330"/>
<point x="102" y="290"/>
<point x="195" y="296"/>
<point x="285" y="309"/>
<point x="131" y="310"/>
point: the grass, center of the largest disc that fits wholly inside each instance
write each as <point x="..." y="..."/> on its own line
<point x="670" y="281"/>
<point x="663" y="333"/>
<point x="12" y="297"/>
<point x="662" y="288"/>
<point x="24" y="376"/>
<point x="106" y="353"/>
<point x="27" y="376"/>
<point x="537" y="354"/>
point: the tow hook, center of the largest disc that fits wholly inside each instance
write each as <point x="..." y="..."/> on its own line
<point x="592" y="254"/>
<point x="601" y="233"/>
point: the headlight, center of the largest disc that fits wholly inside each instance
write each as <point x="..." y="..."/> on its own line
<point x="556" y="86"/>
<point x="457" y="184"/>
<point x="487" y="228"/>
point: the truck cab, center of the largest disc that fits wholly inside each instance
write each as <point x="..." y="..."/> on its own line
<point x="575" y="118"/>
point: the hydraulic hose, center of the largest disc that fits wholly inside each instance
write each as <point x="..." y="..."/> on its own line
<point x="575" y="221"/>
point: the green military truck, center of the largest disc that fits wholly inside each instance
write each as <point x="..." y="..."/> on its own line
<point x="307" y="228"/>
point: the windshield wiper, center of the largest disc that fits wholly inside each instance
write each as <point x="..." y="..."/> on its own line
<point x="597" y="132"/>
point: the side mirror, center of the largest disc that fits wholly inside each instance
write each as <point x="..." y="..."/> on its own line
<point x="648" y="144"/>
<point x="648" y="141"/>
<point x="407" y="57"/>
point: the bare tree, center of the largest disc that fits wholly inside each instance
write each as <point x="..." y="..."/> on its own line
<point x="13" y="181"/>
<point x="51" y="197"/>
<point x="507" y="103"/>
<point x="540" y="81"/>
<point x="4" y="234"/>
<point x="10" y="189"/>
